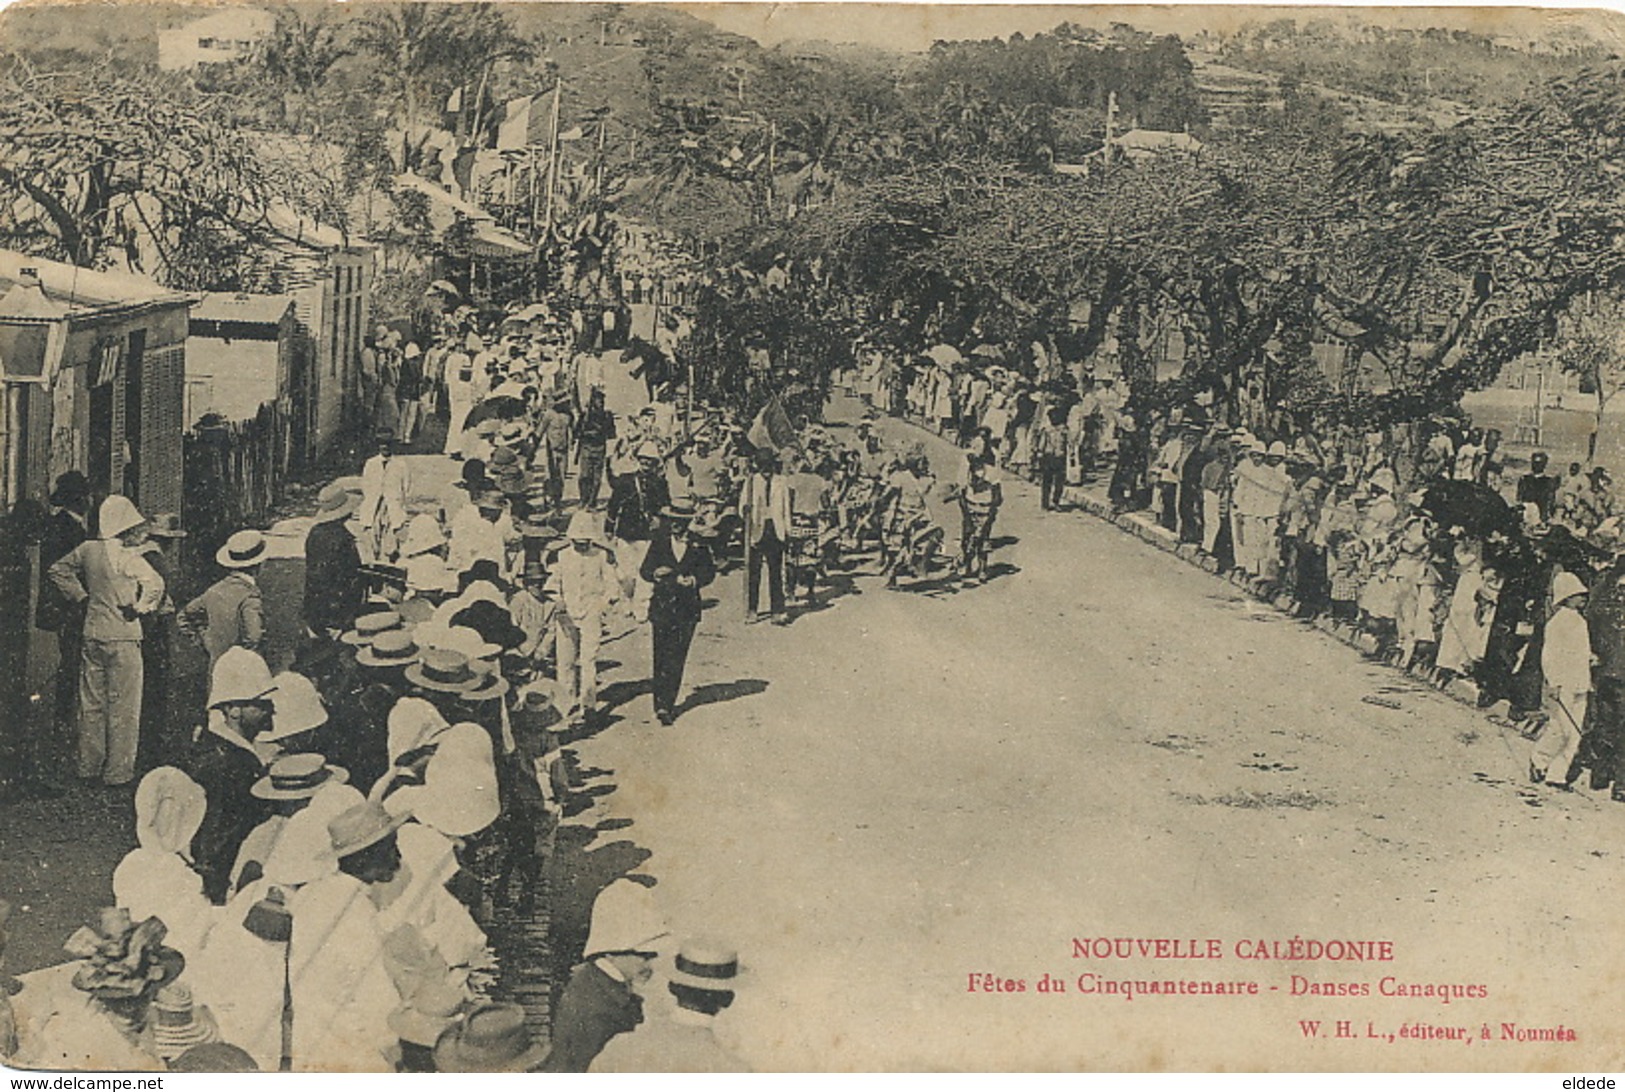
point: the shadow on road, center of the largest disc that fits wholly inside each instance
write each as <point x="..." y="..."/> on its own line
<point x="713" y="693"/>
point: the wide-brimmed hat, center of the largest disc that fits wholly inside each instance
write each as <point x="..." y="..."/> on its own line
<point x="625" y="918"/>
<point x="369" y="626"/>
<point x="243" y="550"/>
<point x="298" y="777"/>
<point x="679" y="508"/>
<point x="335" y="503"/>
<point x="71" y="487"/>
<point x="395" y="648"/>
<point x="214" y="1058"/>
<point x="167" y="525"/>
<point x="296" y="707"/>
<point x="488" y="683"/>
<point x="444" y="671"/>
<point x="491" y="1039"/>
<point x="706" y="965"/>
<point x="494" y="624"/>
<point x="364" y="825"/>
<point x="504" y="457"/>
<point x="460" y="638"/>
<point x="537" y="526"/>
<point x="648" y="450"/>
<point x="490" y="500"/>
<point x="424" y="1017"/>
<point x="178" y="1024"/>
<point x="239" y="675"/>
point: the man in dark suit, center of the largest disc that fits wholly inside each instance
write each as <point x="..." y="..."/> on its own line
<point x="66" y="529"/>
<point x="678" y="567"/>
<point x="335" y="586"/>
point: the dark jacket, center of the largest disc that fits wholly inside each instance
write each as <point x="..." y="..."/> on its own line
<point x="635" y="501"/>
<point x="226" y="773"/>
<point x="335" y="587"/>
<point x="671" y="600"/>
<point x="593" y="1010"/>
<point x="61" y="534"/>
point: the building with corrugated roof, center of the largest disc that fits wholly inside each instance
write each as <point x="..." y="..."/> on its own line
<point x="93" y="370"/>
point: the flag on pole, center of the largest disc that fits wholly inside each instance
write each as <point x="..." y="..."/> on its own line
<point x="772" y="431"/>
<point x="513" y="132"/>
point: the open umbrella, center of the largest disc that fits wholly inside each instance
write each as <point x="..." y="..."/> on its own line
<point x="1476" y="509"/>
<point x="502" y="407"/>
<point x="446" y="287"/>
<point x="945" y="355"/>
<point x="988" y="352"/>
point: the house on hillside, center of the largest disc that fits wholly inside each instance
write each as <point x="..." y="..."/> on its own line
<point x="93" y="368"/>
<point x="230" y="34"/>
<point x="1141" y="144"/>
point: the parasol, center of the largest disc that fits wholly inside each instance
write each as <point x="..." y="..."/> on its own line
<point x="1476" y="509"/>
<point x="988" y="352"/>
<point x="945" y="355"/>
<point x="447" y="288"/>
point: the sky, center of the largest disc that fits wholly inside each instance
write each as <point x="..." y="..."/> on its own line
<point x="913" y="27"/>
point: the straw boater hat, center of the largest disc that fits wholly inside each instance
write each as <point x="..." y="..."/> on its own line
<point x="395" y="648"/>
<point x="167" y="525"/>
<point x="243" y="550"/>
<point x="298" y="777"/>
<point x="368" y="627"/>
<point x="706" y="965"/>
<point x="491" y="1039"/>
<point x="177" y="1024"/>
<point x="335" y="503"/>
<point x="679" y="508"/>
<point x="364" y="825"/>
<point x="444" y="671"/>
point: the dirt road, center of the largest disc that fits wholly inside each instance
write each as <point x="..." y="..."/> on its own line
<point x="902" y="791"/>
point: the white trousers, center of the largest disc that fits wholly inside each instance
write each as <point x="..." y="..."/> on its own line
<point x="577" y="658"/>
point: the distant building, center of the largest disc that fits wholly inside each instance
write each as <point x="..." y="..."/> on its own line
<point x="329" y="273"/>
<point x="93" y="368"/>
<point x="241" y="353"/>
<point x="1139" y="144"/>
<point x="228" y="35"/>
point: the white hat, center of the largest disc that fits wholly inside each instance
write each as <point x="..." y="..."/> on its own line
<point x="458" y="796"/>
<point x="239" y="675"/>
<point x="1566" y="585"/>
<point x="583" y="527"/>
<point x="242" y="550"/>
<point x="1277" y="450"/>
<point x="303" y="851"/>
<point x="169" y="809"/>
<point x="625" y="919"/>
<point x="295" y="707"/>
<point x="412" y="723"/>
<point x="117" y="515"/>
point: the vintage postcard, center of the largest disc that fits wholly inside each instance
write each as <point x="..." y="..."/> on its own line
<point x="634" y="537"/>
